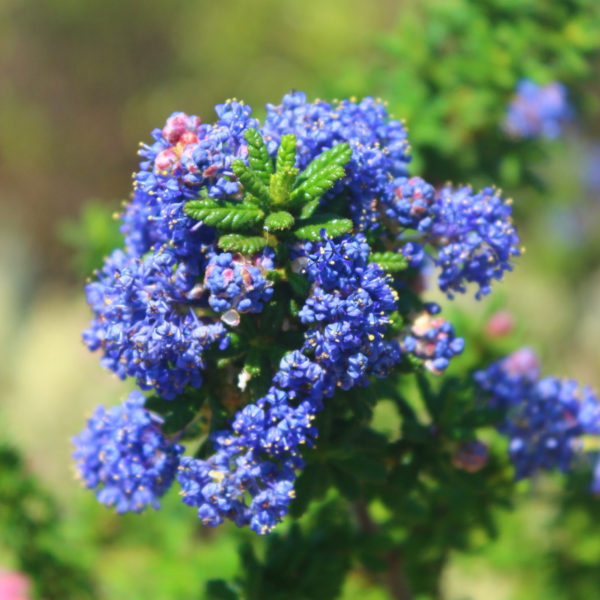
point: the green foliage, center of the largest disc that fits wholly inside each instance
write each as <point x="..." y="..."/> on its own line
<point x="333" y="226"/>
<point x="90" y="237"/>
<point x="230" y="217"/>
<point x="261" y="209"/>
<point x="390" y="261"/>
<point x="279" y="220"/>
<point x="178" y="413"/>
<point x="309" y="560"/>
<point x="29" y="521"/>
<point x="244" y="244"/>
<point x="286" y="155"/>
<point x="258" y="156"/>
<point x="450" y="68"/>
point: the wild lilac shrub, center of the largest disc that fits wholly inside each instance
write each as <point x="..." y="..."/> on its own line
<point x="269" y="295"/>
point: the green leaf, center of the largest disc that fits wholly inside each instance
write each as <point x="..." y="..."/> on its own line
<point x="309" y="208"/>
<point x="333" y="226"/>
<point x="233" y="217"/>
<point x="244" y="244"/>
<point x="251" y="181"/>
<point x="286" y="155"/>
<point x="299" y="284"/>
<point x="218" y="589"/>
<point x="364" y="467"/>
<point x="339" y="155"/>
<point x="317" y="185"/>
<point x="258" y="155"/>
<point x="279" y="220"/>
<point x="281" y="184"/>
<point x="177" y="413"/>
<point x="347" y="483"/>
<point x="253" y="361"/>
<point x="390" y="261"/>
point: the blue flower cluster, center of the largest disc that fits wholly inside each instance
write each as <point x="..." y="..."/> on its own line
<point x="168" y="298"/>
<point x="379" y="145"/>
<point x="475" y="237"/>
<point x="250" y="478"/>
<point x="544" y="418"/>
<point x="146" y="324"/>
<point x="409" y="202"/>
<point x="236" y="283"/>
<point x="348" y="311"/>
<point x="538" y="110"/>
<point x="259" y="456"/>
<point x="124" y="455"/>
<point x="432" y="339"/>
<point x="472" y="234"/>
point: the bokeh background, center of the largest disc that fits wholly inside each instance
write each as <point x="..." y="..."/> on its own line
<point x="81" y="83"/>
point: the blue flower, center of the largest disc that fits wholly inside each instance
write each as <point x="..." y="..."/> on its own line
<point x="234" y="282"/>
<point x="123" y="454"/>
<point x="146" y="325"/>
<point x="250" y="477"/>
<point x="432" y="339"/>
<point x="379" y="145"/>
<point x="544" y="418"/>
<point x="538" y="111"/>
<point x="348" y="310"/>
<point x="475" y="238"/>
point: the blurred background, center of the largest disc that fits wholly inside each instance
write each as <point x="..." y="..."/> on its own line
<point x="83" y="82"/>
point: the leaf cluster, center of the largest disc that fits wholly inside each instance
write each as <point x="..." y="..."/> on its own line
<point x="276" y="198"/>
<point x="29" y="523"/>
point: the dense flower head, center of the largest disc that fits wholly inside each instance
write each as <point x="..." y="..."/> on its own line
<point x="433" y="340"/>
<point x="145" y="322"/>
<point x="249" y="479"/>
<point x="235" y="282"/>
<point x="379" y="145"/>
<point x="123" y="454"/>
<point x="544" y="418"/>
<point x="348" y="322"/>
<point x="474" y="236"/>
<point x="538" y="110"/>
<point x="409" y="202"/>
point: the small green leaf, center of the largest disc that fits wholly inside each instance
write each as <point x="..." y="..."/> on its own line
<point x="177" y="413"/>
<point x="317" y="185"/>
<point x="339" y="155"/>
<point x="253" y="361"/>
<point x="333" y="226"/>
<point x="299" y="284"/>
<point x="251" y="181"/>
<point x="233" y="217"/>
<point x="309" y="208"/>
<point x="218" y="589"/>
<point x="286" y="155"/>
<point x="279" y="221"/>
<point x="390" y="261"/>
<point x="281" y="184"/>
<point x="258" y="155"/>
<point x="244" y="244"/>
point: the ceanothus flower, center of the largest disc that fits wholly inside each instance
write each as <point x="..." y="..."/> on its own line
<point x="544" y="418"/>
<point x="379" y="145"/>
<point x="538" y="111"/>
<point x="474" y="236"/>
<point x="234" y="282"/>
<point x="432" y="339"/>
<point x="146" y="325"/>
<point x="250" y="477"/>
<point x="123" y="454"/>
<point x="348" y="311"/>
